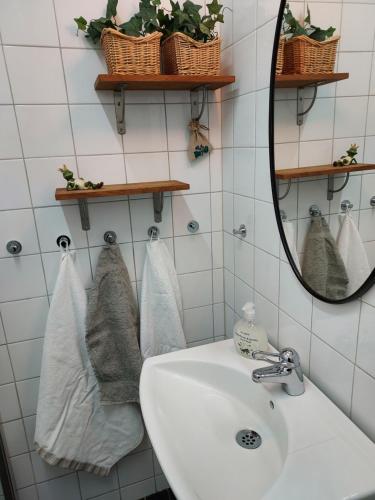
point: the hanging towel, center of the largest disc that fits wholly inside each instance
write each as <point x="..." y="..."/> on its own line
<point x="161" y="304"/>
<point x="323" y="268"/>
<point x="353" y="254"/>
<point x="291" y="240"/>
<point x="73" y="430"/>
<point x="112" y="330"/>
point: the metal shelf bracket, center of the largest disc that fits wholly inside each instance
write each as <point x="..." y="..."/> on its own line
<point x="120" y="109"/>
<point x="196" y="109"/>
<point x="158" y="199"/>
<point x="331" y="184"/>
<point x="84" y="214"/>
<point x="301" y="112"/>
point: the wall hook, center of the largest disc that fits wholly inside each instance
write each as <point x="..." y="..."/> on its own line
<point x="241" y="231"/>
<point x="63" y="241"/>
<point x="193" y="226"/>
<point x="153" y="232"/>
<point x="346" y="205"/>
<point x="14" y="247"/>
<point x="372" y="201"/>
<point x="196" y="113"/>
<point x="314" y="211"/>
<point x="110" y="237"/>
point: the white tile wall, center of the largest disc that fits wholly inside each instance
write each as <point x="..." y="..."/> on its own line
<point x="336" y="342"/>
<point x="51" y="115"/>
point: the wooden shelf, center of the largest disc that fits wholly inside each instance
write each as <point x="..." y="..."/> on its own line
<point x="162" y="82"/>
<point x="298" y="81"/>
<point x="296" y="173"/>
<point x="121" y="190"/>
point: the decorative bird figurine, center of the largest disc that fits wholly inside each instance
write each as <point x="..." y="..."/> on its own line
<point x="349" y="158"/>
<point x="80" y="183"/>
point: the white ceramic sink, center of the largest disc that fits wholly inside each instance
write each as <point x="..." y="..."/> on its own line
<point x="195" y="401"/>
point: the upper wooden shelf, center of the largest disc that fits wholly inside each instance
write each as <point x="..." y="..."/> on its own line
<point x="162" y="82"/>
<point x="121" y="190"/>
<point x="298" y="81"/>
<point x="296" y="173"/>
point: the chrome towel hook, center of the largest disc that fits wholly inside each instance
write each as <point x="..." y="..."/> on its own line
<point x="153" y="232"/>
<point x="346" y="205"/>
<point x="14" y="247"/>
<point x="63" y="241"/>
<point x="315" y="211"/>
<point x="372" y="201"/>
<point x="241" y="231"/>
<point x="110" y="237"/>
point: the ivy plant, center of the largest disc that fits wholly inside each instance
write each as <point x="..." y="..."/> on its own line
<point x="292" y="28"/>
<point x="151" y="17"/>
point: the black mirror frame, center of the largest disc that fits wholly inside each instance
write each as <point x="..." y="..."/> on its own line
<point x="5" y="474"/>
<point x="371" y="279"/>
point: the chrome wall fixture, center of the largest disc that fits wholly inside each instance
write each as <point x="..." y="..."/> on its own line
<point x="153" y="232"/>
<point x="110" y="237"/>
<point x="346" y="205"/>
<point x="241" y="231"/>
<point x="14" y="247"/>
<point x="372" y="201"/>
<point x="193" y="226"/>
<point x="315" y="211"/>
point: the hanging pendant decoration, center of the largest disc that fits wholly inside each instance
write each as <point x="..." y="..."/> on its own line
<point x="199" y="145"/>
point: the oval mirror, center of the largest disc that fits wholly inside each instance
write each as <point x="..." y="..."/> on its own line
<point x="322" y="147"/>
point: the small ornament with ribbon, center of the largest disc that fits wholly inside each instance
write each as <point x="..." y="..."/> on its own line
<point x="199" y="145"/>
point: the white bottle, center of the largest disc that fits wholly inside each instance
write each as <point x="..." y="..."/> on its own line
<point x="247" y="335"/>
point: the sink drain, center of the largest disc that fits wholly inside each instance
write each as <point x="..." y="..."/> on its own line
<point x="248" y="439"/>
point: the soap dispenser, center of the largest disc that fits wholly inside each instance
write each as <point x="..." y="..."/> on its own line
<point x="247" y="335"/>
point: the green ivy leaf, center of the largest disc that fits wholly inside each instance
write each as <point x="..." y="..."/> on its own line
<point x="204" y="29"/>
<point x="214" y="8"/>
<point x="81" y="23"/>
<point x="111" y="9"/>
<point x="133" y="27"/>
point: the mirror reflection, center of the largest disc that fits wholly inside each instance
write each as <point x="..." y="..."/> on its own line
<point x="324" y="145"/>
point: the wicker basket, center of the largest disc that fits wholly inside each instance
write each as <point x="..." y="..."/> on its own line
<point x="130" y="54"/>
<point x="181" y="55"/>
<point x="280" y="56"/>
<point x="305" y="55"/>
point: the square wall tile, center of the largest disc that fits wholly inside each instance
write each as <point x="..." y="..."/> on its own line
<point x="6" y="374"/>
<point x="332" y="373"/>
<point x="244" y="261"/>
<point x="267" y="315"/>
<point x="244" y="18"/>
<point x="228" y="245"/>
<point x="266" y="230"/>
<point x="18" y="225"/>
<point x="266" y="275"/>
<point x="197" y="173"/>
<point x="142" y="217"/>
<point x="349" y="116"/>
<point x="22" y="278"/>
<point x="91" y="485"/>
<point x="193" y="253"/>
<point x="107" y="168"/>
<point x="218" y="285"/>
<point x="191" y="207"/>
<point x="358" y="64"/>
<point x="44" y="178"/>
<point x="9" y="407"/>
<point x="366" y="342"/>
<point x="15" y="438"/>
<point x="145" y="121"/>
<point x="14" y="191"/>
<point x="52" y="136"/>
<point x="265" y="39"/>
<point x="267" y="9"/>
<point x="35" y="24"/>
<point x="24" y="319"/>
<point x="242" y="294"/>
<point x="22" y="470"/>
<point x="198" y="324"/>
<point x="294" y="299"/>
<point x="10" y="146"/>
<point x="363" y="403"/>
<point x="28" y="395"/>
<point x="244" y="121"/>
<point x="111" y="216"/>
<point x="219" y="321"/>
<point x="82" y="66"/>
<point x="292" y="334"/>
<point x="262" y="175"/>
<point x="52" y="222"/>
<point x="217" y="211"/>
<point x="217" y="250"/>
<point x="41" y="68"/>
<point x="94" y="129"/>
<point x="196" y="289"/>
<point x="216" y="170"/>
<point x="26" y="358"/>
<point x="244" y="171"/>
<point x="146" y="167"/>
<point x="244" y="60"/>
<point x="5" y="93"/>
<point x="338" y="329"/>
<point x="227" y="110"/>
<point x="318" y="122"/>
<point x="60" y="489"/>
<point x="357" y="27"/>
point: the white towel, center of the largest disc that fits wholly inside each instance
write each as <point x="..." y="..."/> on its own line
<point x="72" y="429"/>
<point x="353" y="253"/>
<point x="291" y="240"/>
<point x="161" y="304"/>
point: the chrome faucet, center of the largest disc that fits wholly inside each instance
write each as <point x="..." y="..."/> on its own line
<point x="285" y="370"/>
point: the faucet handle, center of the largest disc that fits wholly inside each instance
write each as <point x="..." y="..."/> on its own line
<point x="287" y="355"/>
<point x="265" y="356"/>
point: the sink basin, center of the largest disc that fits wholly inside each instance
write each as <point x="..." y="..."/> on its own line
<point x="195" y="401"/>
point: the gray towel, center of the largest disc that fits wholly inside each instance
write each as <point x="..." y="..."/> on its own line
<point x="112" y="330"/>
<point x="323" y="268"/>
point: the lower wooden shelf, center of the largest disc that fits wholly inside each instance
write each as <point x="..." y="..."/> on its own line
<point x="296" y="173"/>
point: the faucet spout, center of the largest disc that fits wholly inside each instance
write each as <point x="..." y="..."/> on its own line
<point x="287" y="371"/>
